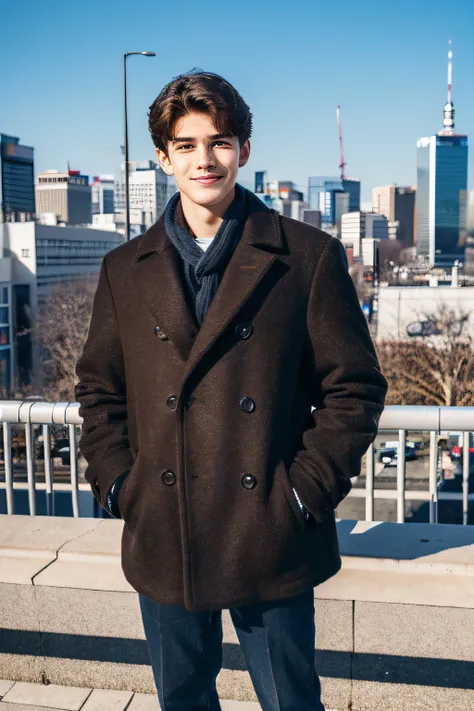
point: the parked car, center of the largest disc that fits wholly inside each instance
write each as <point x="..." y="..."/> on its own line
<point x="65" y="455"/>
<point x="389" y="455"/>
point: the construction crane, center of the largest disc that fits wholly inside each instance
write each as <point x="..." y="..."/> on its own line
<point x="341" y="163"/>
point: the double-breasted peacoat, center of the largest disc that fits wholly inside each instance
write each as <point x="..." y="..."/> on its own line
<point x="215" y="425"/>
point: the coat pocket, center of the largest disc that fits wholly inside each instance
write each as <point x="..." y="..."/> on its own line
<point x="281" y="473"/>
<point x="126" y="489"/>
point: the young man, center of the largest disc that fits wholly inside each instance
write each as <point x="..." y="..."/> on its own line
<point x="213" y="335"/>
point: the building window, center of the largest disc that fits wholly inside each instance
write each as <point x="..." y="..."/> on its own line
<point x="4" y="335"/>
<point x="5" y="357"/>
<point x="25" y="252"/>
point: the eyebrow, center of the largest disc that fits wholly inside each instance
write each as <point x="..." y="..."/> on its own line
<point x="189" y="139"/>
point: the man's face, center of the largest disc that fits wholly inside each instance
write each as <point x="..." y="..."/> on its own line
<point x="197" y="151"/>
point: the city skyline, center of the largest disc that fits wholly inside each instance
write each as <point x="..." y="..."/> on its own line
<point x="63" y="91"/>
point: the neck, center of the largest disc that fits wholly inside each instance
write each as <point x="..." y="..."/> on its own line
<point x="205" y="221"/>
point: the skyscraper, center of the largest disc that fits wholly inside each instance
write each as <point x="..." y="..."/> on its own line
<point x="67" y="195"/>
<point x="102" y="190"/>
<point x="260" y="182"/>
<point x="441" y="201"/>
<point x="322" y="196"/>
<point x="17" y="178"/>
<point x="149" y="190"/>
<point x="398" y="206"/>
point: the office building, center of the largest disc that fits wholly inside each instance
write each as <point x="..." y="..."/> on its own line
<point x="280" y="195"/>
<point x="172" y="187"/>
<point x="322" y="191"/>
<point x="34" y="258"/>
<point x="360" y="231"/>
<point x="311" y="217"/>
<point x="102" y="195"/>
<point x="138" y="222"/>
<point x="341" y="206"/>
<point x="6" y="328"/>
<point x="261" y="182"/>
<point x="398" y="206"/>
<point x="67" y="195"/>
<point x="441" y="197"/>
<point x="17" y="180"/>
<point x="288" y="191"/>
<point x="470" y="212"/>
<point x="149" y="190"/>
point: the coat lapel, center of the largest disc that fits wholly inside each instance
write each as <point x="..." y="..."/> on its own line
<point x="247" y="267"/>
<point x="159" y="282"/>
<point x="158" y="278"/>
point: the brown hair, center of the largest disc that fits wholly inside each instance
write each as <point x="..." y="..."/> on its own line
<point x="199" y="91"/>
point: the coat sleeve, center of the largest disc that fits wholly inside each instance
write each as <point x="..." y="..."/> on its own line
<point x="102" y="396"/>
<point x="345" y="383"/>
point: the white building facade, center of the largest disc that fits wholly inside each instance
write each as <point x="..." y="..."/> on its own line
<point x="67" y="195"/>
<point x="102" y="194"/>
<point x="359" y="231"/>
<point x="149" y="190"/>
<point x="35" y="258"/>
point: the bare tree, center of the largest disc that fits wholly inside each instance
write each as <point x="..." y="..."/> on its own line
<point x="432" y="369"/>
<point x="60" y="330"/>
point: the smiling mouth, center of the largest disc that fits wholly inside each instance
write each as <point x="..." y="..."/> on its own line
<point x="208" y="180"/>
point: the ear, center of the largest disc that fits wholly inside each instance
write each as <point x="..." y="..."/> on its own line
<point x="164" y="162"/>
<point x="244" y="153"/>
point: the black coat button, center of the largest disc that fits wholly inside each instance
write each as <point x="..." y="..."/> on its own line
<point x="249" y="481"/>
<point x="160" y="333"/>
<point x="243" y="330"/>
<point x="168" y="477"/>
<point x="247" y="404"/>
<point x="172" y="402"/>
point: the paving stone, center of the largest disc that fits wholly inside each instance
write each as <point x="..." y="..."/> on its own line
<point x="374" y="696"/>
<point x="411" y="630"/>
<point x="25" y="707"/>
<point x="101" y="699"/>
<point x="142" y="702"/>
<point x="5" y="685"/>
<point x="69" y="698"/>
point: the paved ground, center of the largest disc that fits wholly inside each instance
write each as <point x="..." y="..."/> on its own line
<point x="24" y="696"/>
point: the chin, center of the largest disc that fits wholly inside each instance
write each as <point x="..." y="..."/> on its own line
<point x="207" y="196"/>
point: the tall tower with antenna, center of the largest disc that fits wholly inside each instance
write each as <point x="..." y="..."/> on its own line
<point x="448" y="111"/>
<point x="441" y="191"/>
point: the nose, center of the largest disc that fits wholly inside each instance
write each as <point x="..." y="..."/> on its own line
<point x="205" y="158"/>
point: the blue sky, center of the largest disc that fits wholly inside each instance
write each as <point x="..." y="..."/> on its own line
<point x="385" y="64"/>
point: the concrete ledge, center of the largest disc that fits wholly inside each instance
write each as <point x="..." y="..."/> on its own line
<point x="393" y="624"/>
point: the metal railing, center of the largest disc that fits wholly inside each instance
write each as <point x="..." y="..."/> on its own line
<point x="432" y="419"/>
<point x="397" y="418"/>
<point x="46" y="414"/>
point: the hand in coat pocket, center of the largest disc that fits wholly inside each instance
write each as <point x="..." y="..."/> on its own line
<point x="303" y="508"/>
<point x="121" y="496"/>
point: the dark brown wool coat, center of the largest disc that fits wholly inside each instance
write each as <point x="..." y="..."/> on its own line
<point x="211" y="520"/>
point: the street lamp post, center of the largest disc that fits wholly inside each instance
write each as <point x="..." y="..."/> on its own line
<point x="127" y="205"/>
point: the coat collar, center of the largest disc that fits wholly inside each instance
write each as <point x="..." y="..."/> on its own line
<point x="161" y="284"/>
<point x="261" y="229"/>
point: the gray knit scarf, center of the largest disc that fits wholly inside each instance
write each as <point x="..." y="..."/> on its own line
<point x="203" y="270"/>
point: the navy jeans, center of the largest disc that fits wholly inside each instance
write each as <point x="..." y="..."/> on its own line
<point x="277" y="640"/>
